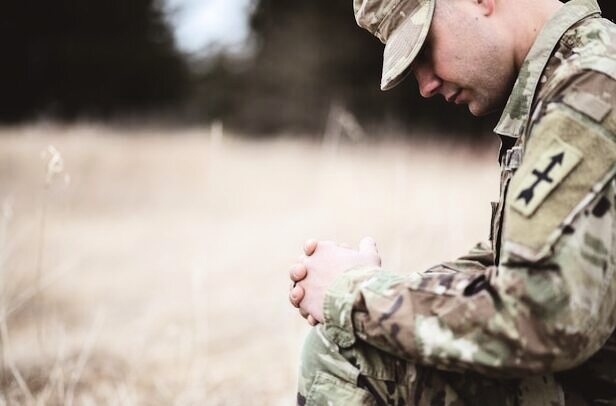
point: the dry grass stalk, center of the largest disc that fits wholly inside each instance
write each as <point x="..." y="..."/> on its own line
<point x="183" y="243"/>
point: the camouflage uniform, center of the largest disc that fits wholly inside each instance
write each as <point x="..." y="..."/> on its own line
<point x="498" y="326"/>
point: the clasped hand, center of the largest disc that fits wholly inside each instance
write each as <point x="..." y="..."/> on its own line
<point x="317" y="268"/>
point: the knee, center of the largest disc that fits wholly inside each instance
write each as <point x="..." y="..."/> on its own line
<point x="318" y="354"/>
<point x="329" y="375"/>
<point x="320" y="358"/>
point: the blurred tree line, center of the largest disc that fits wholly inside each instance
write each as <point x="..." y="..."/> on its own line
<point x="310" y="55"/>
<point x="103" y="58"/>
<point x="90" y="57"/>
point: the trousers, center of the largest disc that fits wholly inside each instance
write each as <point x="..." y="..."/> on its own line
<point x="364" y="375"/>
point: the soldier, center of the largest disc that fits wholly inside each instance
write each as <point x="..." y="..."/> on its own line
<point x="529" y="318"/>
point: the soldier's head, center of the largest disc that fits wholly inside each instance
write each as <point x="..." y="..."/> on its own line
<point x="468" y="51"/>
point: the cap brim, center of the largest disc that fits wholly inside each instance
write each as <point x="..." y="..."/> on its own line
<point x="404" y="44"/>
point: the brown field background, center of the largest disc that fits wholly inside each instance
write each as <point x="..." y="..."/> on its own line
<point x="153" y="268"/>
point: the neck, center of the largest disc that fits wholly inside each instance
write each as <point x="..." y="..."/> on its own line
<point x="528" y="19"/>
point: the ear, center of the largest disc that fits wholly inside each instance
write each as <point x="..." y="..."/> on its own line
<point x="487" y="6"/>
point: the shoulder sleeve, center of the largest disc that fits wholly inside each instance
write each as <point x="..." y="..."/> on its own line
<point x="559" y="235"/>
<point x="569" y="158"/>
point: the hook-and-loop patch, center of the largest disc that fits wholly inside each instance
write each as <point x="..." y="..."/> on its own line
<point x="549" y="170"/>
<point x="566" y="158"/>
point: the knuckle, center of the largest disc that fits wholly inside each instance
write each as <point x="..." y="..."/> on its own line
<point x="295" y="272"/>
<point x="309" y="246"/>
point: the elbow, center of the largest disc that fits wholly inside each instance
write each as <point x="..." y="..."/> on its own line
<point x="550" y="327"/>
<point x="575" y="343"/>
<point x="536" y="342"/>
<point x="549" y="348"/>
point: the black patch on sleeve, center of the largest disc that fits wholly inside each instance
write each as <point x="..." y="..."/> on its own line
<point x="301" y="400"/>
<point x="602" y="206"/>
<point x="568" y="230"/>
<point x="476" y="286"/>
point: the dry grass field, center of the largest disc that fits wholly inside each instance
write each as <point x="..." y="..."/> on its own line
<point x="151" y="268"/>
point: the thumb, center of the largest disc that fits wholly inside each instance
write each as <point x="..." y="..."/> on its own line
<point x="367" y="246"/>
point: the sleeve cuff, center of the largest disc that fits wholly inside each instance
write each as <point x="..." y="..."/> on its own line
<point x="338" y="305"/>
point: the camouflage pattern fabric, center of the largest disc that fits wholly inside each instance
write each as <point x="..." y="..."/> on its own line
<point x="364" y="375"/>
<point x="530" y="317"/>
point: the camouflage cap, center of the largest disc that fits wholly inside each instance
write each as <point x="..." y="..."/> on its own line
<point x="402" y="25"/>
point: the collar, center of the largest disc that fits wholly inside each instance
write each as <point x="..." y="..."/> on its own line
<point x="517" y="111"/>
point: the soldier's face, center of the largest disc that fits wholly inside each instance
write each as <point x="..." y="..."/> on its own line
<point x="464" y="59"/>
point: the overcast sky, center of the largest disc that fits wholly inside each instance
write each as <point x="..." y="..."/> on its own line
<point x="199" y="23"/>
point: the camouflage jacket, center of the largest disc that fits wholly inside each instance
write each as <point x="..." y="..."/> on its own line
<point x="541" y="298"/>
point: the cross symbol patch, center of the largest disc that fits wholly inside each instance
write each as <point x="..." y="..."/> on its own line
<point x="544" y="175"/>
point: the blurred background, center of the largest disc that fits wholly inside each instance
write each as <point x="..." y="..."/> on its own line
<point x="259" y="66"/>
<point x="161" y="164"/>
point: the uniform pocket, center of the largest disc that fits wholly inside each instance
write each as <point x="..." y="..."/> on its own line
<point x="329" y="390"/>
<point x="389" y="379"/>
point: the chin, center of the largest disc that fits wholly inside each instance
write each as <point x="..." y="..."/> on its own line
<point x="477" y="109"/>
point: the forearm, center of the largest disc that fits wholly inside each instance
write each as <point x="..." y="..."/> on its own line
<point x="458" y="322"/>
<point x="451" y="321"/>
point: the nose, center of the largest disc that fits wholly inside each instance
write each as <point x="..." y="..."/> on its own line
<point x="429" y="83"/>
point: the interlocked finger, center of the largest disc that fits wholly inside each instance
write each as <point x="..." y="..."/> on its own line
<point x="296" y="295"/>
<point x="312" y="321"/>
<point x="298" y="272"/>
<point x="310" y="246"/>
